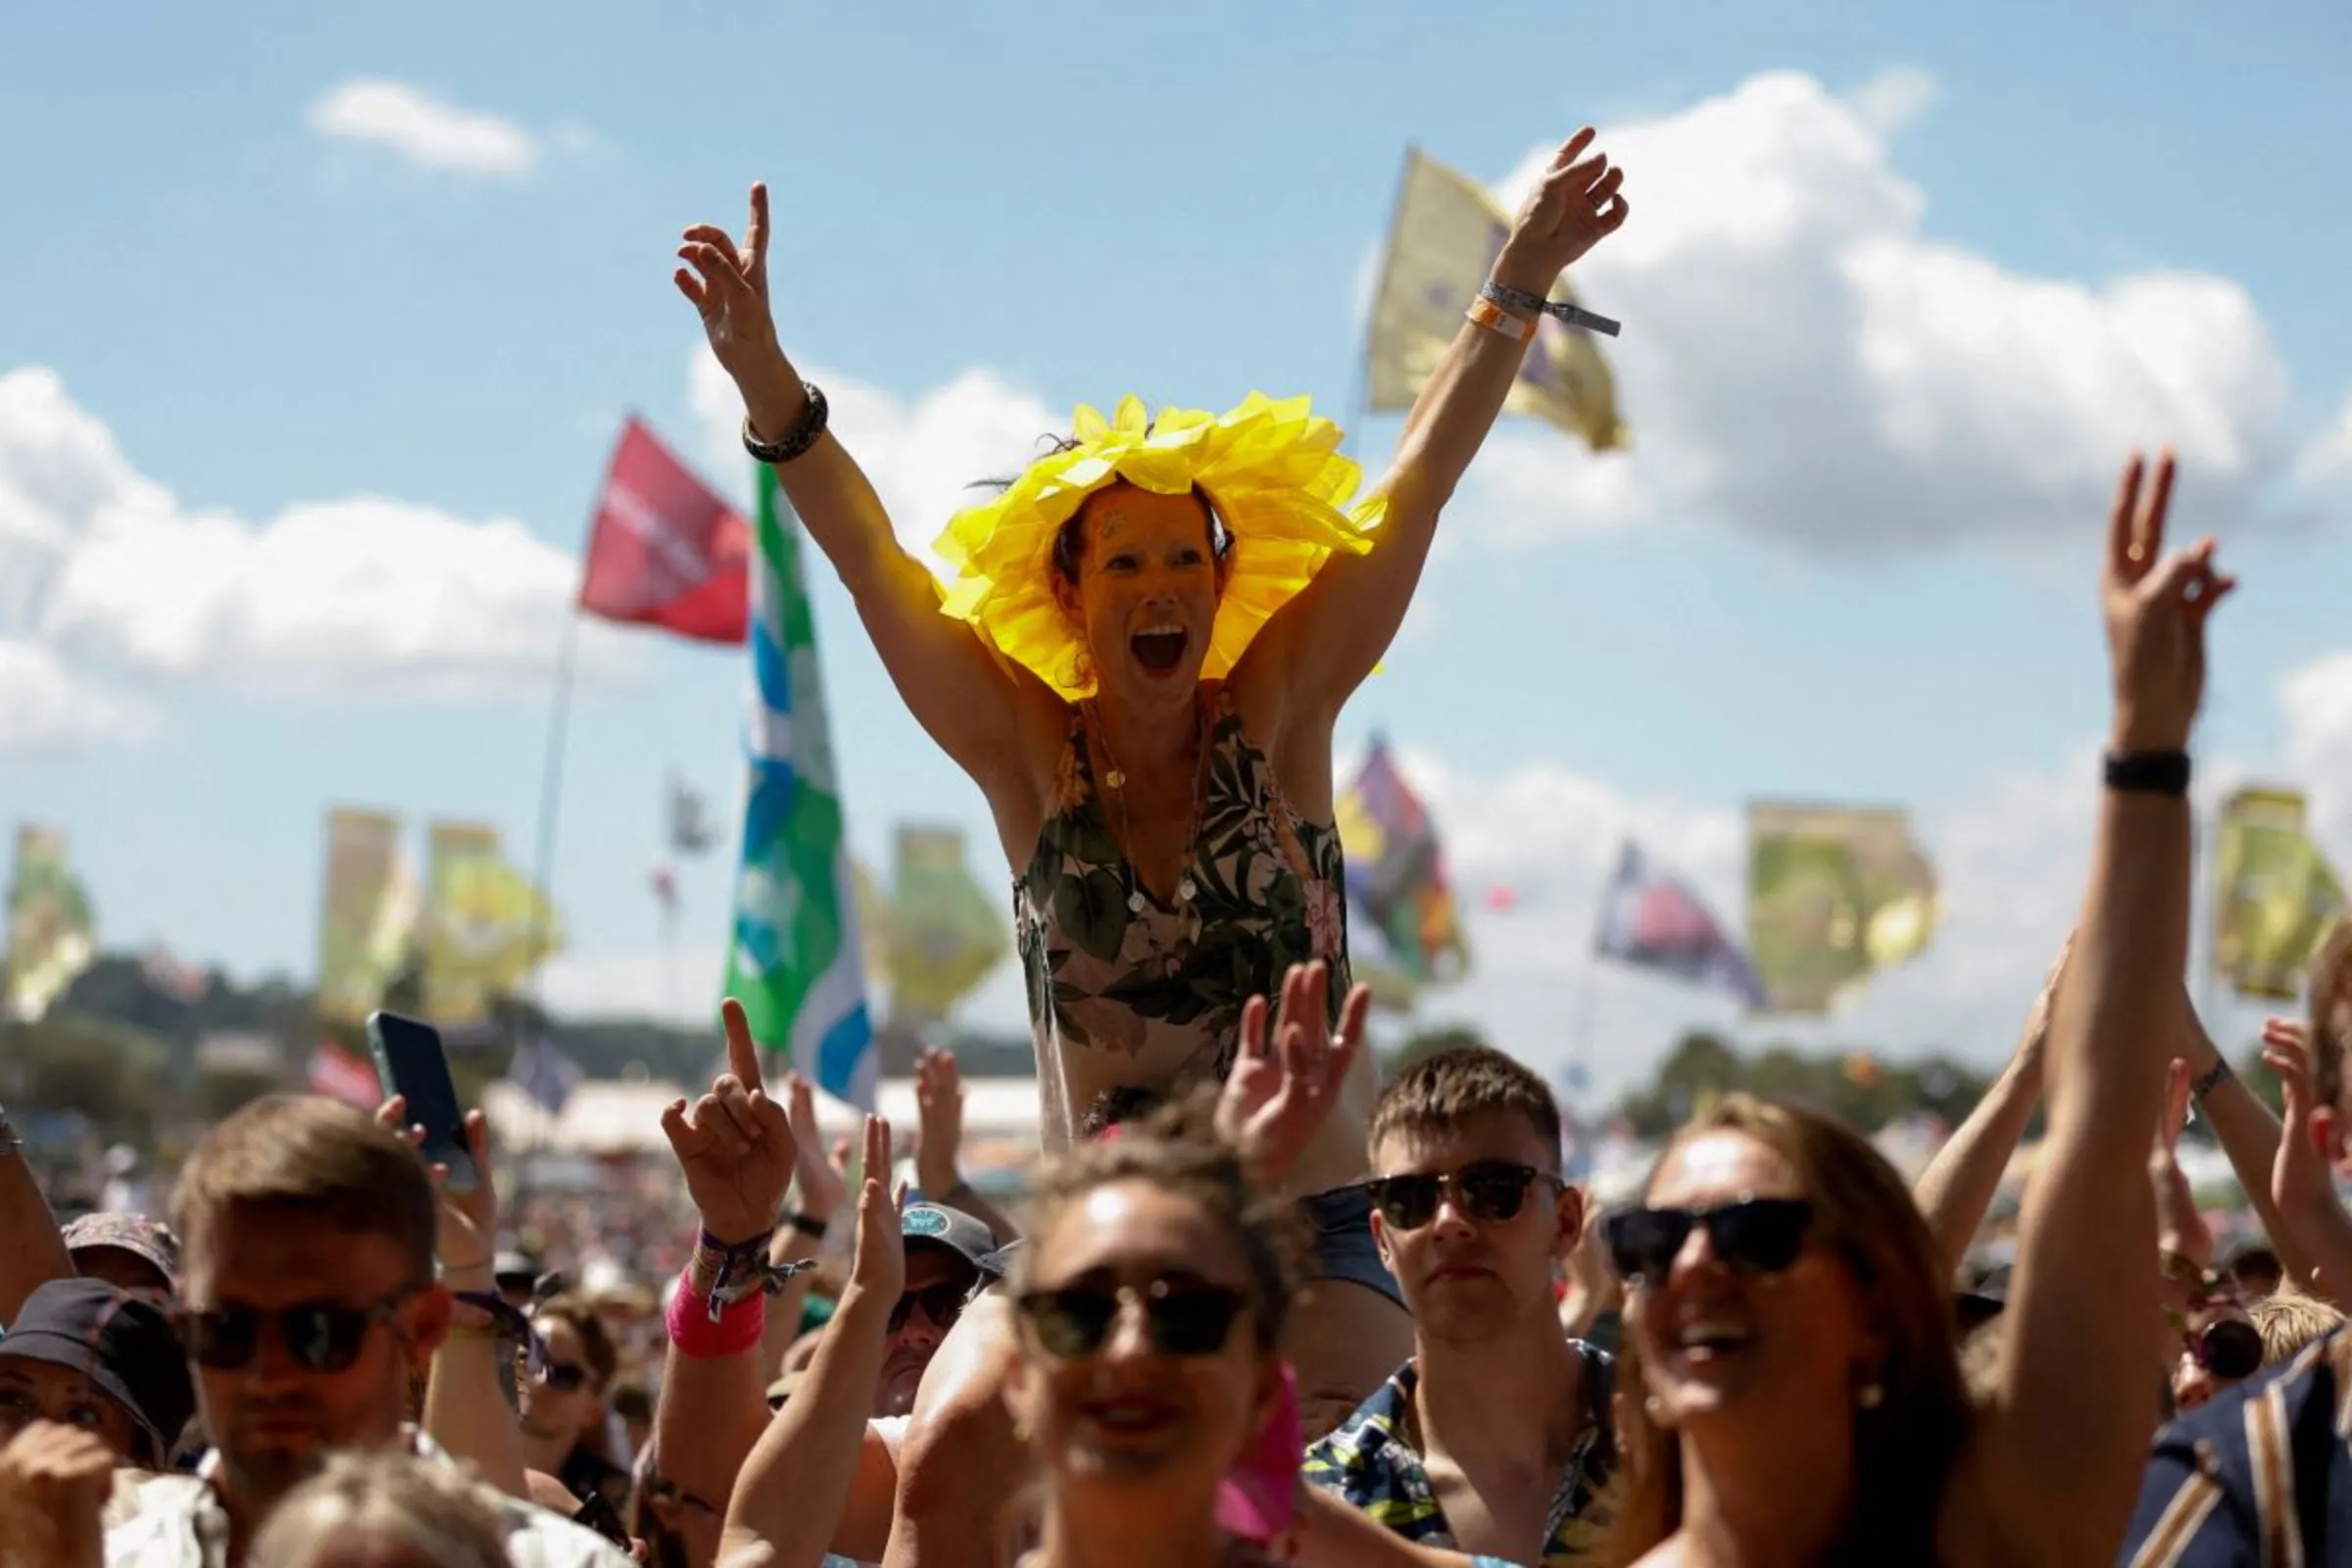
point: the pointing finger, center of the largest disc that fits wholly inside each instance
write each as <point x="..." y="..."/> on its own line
<point x="754" y="236"/>
<point x="742" y="1055"/>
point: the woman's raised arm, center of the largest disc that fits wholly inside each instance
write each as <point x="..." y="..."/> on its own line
<point x="958" y="690"/>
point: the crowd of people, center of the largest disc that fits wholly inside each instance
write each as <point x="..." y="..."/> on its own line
<point x="1259" y="1305"/>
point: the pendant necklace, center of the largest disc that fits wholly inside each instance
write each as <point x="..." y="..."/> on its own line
<point x="1115" y="779"/>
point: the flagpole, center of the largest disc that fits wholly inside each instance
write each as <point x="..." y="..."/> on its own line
<point x="551" y="799"/>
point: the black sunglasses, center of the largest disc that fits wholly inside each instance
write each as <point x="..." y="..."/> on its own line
<point x="1183" y="1316"/>
<point x="1489" y="1191"/>
<point x="943" y="1304"/>
<point x="320" y="1336"/>
<point x="1755" y="1236"/>
<point x="2228" y="1349"/>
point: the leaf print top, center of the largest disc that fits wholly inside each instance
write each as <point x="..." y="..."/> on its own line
<point x="1119" y="998"/>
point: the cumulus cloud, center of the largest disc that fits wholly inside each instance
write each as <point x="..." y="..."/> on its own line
<point x="43" y="708"/>
<point x="1802" y="361"/>
<point x="2318" y="702"/>
<point x="105" y="573"/>
<point x="425" y="131"/>
<point x="923" y="454"/>
<point x="2326" y="462"/>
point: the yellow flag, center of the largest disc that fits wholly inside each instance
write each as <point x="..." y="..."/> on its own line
<point x="946" y="935"/>
<point x="2275" y="894"/>
<point x="49" y="938"/>
<point x="369" y="912"/>
<point x="1834" y="894"/>
<point x="1442" y="241"/>
<point x="486" y="918"/>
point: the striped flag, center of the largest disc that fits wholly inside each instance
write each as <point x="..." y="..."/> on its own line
<point x="795" y="963"/>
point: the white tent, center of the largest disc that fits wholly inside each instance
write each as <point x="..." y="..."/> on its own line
<point x="613" y="1117"/>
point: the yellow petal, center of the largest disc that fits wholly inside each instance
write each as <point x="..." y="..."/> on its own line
<point x="1134" y="421"/>
<point x="1088" y="425"/>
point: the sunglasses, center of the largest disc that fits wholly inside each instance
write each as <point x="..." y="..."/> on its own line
<point x="1489" y="1191"/>
<point x="561" y="1377"/>
<point x="943" y="1304"/>
<point x="1755" y="1236"/>
<point x="2227" y="1349"/>
<point x="320" y="1337"/>
<point x="1183" y="1316"/>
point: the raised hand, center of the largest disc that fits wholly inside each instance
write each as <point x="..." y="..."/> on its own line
<point x="728" y="285"/>
<point x="2156" y="607"/>
<point x="734" y="1144"/>
<point x="2300" y="1181"/>
<point x="823" y="1184"/>
<point x="54" y="1481"/>
<point x="939" y="1123"/>
<point x="879" y="1268"/>
<point x="1282" y="1087"/>
<point x="1578" y="203"/>
<point x="465" y="1222"/>
<point x="2181" y="1229"/>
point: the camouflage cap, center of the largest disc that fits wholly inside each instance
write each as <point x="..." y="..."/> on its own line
<point x="135" y="1233"/>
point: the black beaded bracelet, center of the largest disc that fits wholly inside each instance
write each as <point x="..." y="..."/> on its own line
<point x="804" y="435"/>
<point x="2148" y="772"/>
<point x="2210" y="1079"/>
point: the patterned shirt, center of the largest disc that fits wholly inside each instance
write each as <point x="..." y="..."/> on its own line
<point x="1370" y="1462"/>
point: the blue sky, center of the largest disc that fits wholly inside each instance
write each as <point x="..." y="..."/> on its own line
<point x="1898" y="287"/>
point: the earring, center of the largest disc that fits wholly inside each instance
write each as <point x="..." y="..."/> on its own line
<point x="1870" y="1395"/>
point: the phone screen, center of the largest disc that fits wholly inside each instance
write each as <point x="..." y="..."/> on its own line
<point x="409" y="1063"/>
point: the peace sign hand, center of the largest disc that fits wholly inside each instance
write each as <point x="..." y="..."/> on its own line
<point x="2155" y="607"/>
<point x="1577" y="204"/>
<point x="1280" y="1091"/>
<point x="734" y="1144"/>
<point x="728" y="286"/>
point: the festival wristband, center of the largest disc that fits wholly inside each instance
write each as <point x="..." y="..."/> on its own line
<point x="2148" y="772"/>
<point x="1519" y="299"/>
<point x="1494" y="318"/>
<point x="708" y="1330"/>
<point x="2211" y="1078"/>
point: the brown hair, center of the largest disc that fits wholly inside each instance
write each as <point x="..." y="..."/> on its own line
<point x="1069" y="540"/>
<point x="2288" y="1320"/>
<point x="596" y="1342"/>
<point x="301" y="1156"/>
<point x="1178" y="1150"/>
<point x="1904" y="1448"/>
<point x="1446" y="1089"/>
<point x="383" y="1497"/>
<point x="2331" y="995"/>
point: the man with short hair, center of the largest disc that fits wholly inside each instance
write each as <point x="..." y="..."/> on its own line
<point x="948" y="1253"/>
<point x="1495" y="1438"/>
<point x="309" y="1301"/>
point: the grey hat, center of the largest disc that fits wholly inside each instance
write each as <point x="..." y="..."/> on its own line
<point x="937" y="1225"/>
<point x="135" y="1234"/>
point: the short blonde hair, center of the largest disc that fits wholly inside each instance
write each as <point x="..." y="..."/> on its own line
<point x="2288" y="1320"/>
<point x="389" y="1498"/>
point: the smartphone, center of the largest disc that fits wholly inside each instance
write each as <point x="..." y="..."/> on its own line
<point x="409" y="1063"/>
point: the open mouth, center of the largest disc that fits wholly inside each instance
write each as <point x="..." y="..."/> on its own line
<point x="1159" y="649"/>
<point x="1703" y="1342"/>
<point x="1130" y="1416"/>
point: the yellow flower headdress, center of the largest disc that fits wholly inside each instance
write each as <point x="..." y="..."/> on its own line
<point x="1272" y="469"/>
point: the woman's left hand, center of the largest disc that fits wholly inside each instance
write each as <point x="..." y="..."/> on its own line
<point x="1281" y="1089"/>
<point x="1578" y="203"/>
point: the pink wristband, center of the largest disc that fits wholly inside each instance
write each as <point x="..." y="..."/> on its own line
<point x="699" y="1336"/>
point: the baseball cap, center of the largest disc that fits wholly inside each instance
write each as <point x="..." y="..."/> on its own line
<point x="135" y="1234"/>
<point x="937" y="1225"/>
<point x="120" y="1343"/>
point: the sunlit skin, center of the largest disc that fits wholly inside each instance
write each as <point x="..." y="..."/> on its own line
<point x="1135" y="1441"/>
<point x="271" y="1422"/>
<point x="918" y="1338"/>
<point x="42" y="1390"/>
<point x="554" y="1419"/>
<point x="1794" y="1342"/>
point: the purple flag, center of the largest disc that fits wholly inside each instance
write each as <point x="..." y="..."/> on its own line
<point x="1649" y="919"/>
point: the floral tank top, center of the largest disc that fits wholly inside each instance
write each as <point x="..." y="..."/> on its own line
<point x="1168" y="982"/>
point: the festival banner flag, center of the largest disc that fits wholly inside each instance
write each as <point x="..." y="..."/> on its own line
<point x="1834" y="894"/>
<point x="484" y="927"/>
<point x="1442" y="241"/>
<point x="1396" y="880"/>
<point x="665" y="551"/>
<point x="343" y="1075"/>
<point x="946" y="934"/>
<point x="51" y="936"/>
<point x="2275" y="894"/>
<point x="1651" y="920"/>
<point x="370" y="915"/>
<point x="795" y="961"/>
<point x="545" y="1073"/>
<point x="691" y="830"/>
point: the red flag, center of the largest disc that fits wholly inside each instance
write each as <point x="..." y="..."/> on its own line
<point x="339" y="1075"/>
<point x="666" y="552"/>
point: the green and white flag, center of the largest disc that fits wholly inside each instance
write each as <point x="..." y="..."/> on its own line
<point x="795" y="961"/>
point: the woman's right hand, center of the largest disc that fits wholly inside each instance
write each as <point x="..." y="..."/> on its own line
<point x="734" y="1144"/>
<point x="728" y="285"/>
<point x="2155" y="607"/>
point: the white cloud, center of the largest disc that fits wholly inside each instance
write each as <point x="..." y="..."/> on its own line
<point x="1894" y="98"/>
<point x="104" y="570"/>
<point x="2326" y="462"/>
<point x="1800" y="361"/>
<point x="426" y="130"/>
<point x="923" y="454"/>
<point x="2318" y="702"/>
<point x="43" y="708"/>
